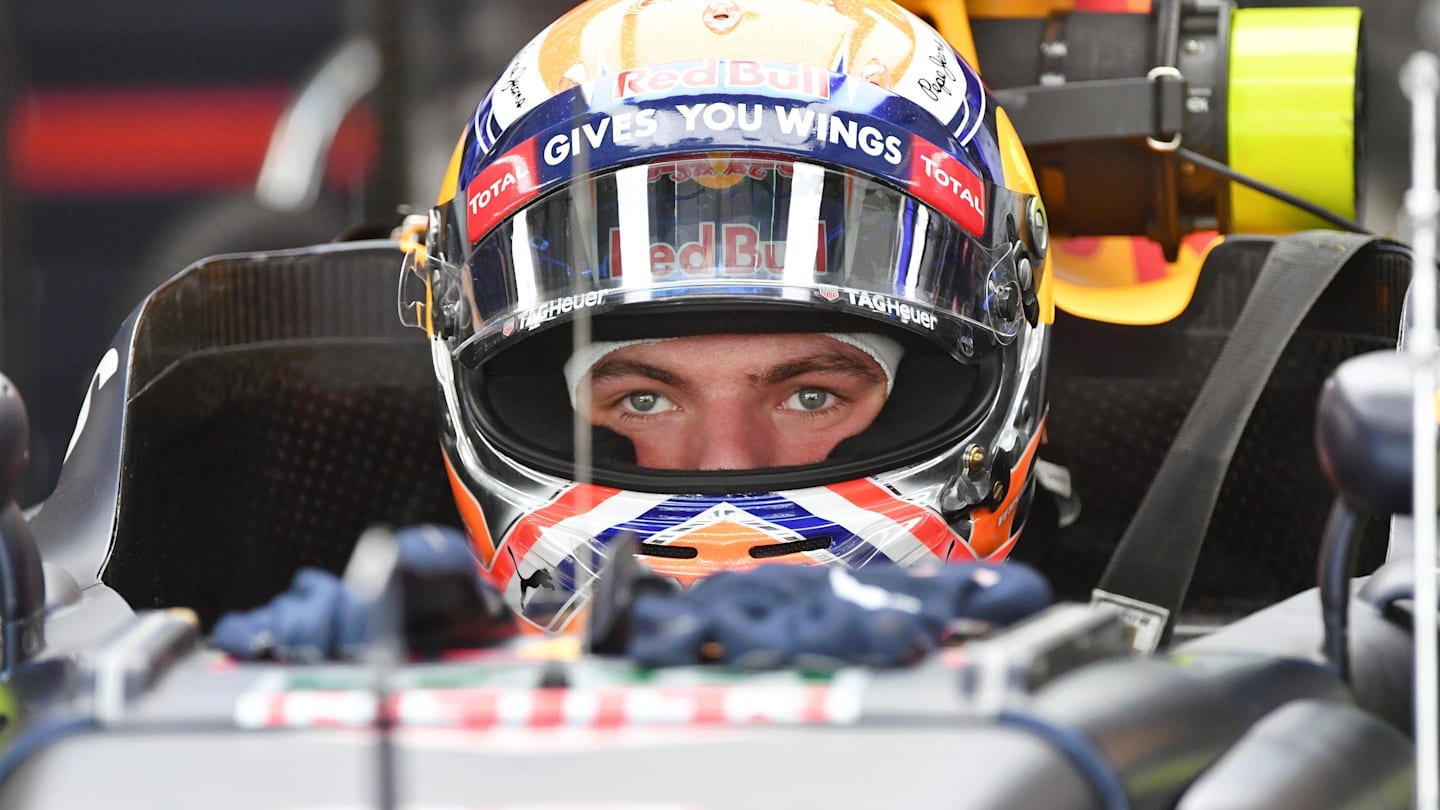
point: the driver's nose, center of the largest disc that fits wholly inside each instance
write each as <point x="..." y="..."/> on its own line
<point x="733" y="438"/>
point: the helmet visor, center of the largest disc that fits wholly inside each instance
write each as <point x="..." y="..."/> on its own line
<point x="732" y="229"/>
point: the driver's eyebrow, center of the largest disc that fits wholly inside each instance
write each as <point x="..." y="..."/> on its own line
<point x="611" y="368"/>
<point x="826" y="361"/>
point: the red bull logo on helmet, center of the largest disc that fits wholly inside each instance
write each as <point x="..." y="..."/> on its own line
<point x="720" y="170"/>
<point x="736" y="74"/>
<point x="725" y="250"/>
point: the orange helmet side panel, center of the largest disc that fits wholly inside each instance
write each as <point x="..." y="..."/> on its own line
<point x="475" y="527"/>
<point x="992" y="533"/>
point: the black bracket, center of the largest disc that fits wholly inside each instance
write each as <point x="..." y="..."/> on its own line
<point x="1150" y="106"/>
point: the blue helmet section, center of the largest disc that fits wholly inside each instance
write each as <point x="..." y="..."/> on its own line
<point x="731" y="106"/>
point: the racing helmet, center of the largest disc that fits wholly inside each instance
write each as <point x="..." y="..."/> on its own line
<point x="649" y="170"/>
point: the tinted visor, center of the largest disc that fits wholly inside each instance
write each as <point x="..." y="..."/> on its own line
<point x="732" y="244"/>
<point x="738" y="230"/>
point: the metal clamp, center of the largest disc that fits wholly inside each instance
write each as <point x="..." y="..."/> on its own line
<point x="1156" y="74"/>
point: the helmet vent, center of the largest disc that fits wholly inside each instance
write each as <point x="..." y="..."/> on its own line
<point x="668" y="551"/>
<point x="770" y="550"/>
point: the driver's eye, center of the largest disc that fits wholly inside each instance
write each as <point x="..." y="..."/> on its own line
<point x="810" y="399"/>
<point x="644" y="401"/>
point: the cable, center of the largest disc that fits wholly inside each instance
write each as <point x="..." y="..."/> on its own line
<point x="1338" y="551"/>
<point x="1191" y="156"/>
<point x="1080" y="751"/>
<point x="38" y="737"/>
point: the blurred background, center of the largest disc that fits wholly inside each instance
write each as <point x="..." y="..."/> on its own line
<point x="135" y="132"/>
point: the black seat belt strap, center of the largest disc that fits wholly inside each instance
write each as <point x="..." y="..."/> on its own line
<point x="1150" y="571"/>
